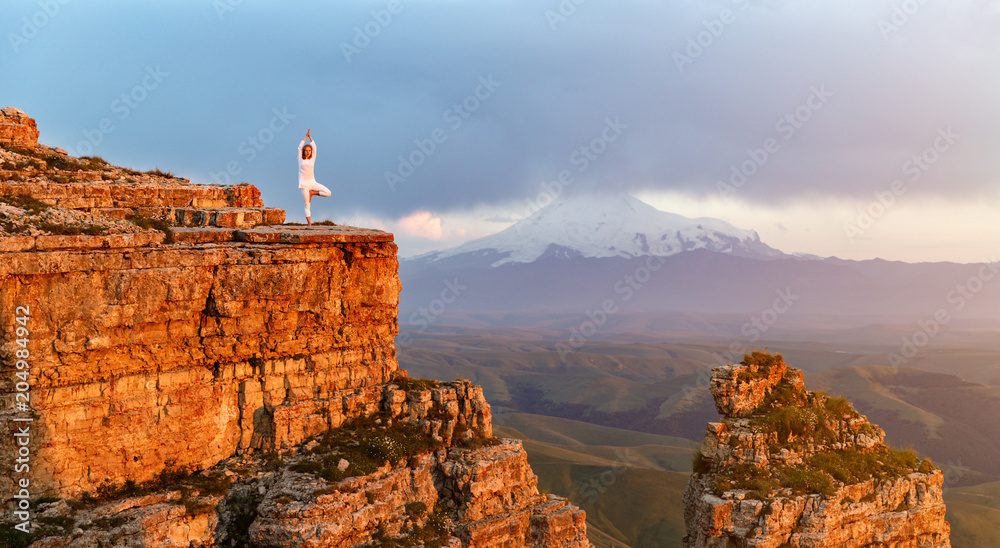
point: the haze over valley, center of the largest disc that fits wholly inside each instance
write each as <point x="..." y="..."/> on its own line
<point x="593" y="325"/>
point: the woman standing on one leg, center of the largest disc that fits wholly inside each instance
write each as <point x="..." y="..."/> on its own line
<point x="307" y="181"/>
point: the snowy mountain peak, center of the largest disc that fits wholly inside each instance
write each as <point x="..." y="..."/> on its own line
<point x="608" y="225"/>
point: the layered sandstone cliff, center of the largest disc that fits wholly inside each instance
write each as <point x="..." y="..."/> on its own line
<point x="195" y="373"/>
<point x="787" y="467"/>
<point x="17" y="129"/>
<point x="412" y="465"/>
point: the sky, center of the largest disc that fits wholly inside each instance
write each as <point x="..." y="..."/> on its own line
<point x="854" y="128"/>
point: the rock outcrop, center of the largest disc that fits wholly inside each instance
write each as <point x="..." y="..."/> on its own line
<point x="415" y="464"/>
<point x="230" y="381"/>
<point x="144" y="354"/>
<point x="47" y="191"/>
<point x="787" y="467"/>
<point x="17" y="129"/>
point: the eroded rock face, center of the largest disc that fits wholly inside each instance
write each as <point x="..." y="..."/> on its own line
<point x="233" y="342"/>
<point x="17" y="129"/>
<point x="153" y="520"/>
<point x="738" y="390"/>
<point x="141" y="356"/>
<point x="45" y="190"/>
<point x="786" y="467"/>
<point x="471" y="491"/>
<point x="490" y="496"/>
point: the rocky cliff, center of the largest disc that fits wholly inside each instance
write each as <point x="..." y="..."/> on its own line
<point x="17" y="129"/>
<point x="181" y="369"/>
<point x="787" y="467"/>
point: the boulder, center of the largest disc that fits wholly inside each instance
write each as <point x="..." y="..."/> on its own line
<point x="17" y="128"/>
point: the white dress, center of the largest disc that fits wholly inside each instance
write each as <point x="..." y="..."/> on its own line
<point x="307" y="180"/>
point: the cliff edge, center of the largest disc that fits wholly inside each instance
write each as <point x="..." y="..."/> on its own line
<point x="181" y="369"/>
<point x="791" y="468"/>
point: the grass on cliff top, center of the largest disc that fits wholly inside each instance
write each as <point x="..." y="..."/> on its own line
<point x="800" y="420"/>
<point x="764" y="361"/>
<point x="149" y="222"/>
<point x="315" y="223"/>
<point x="58" y="161"/>
<point x="763" y="483"/>
<point x="408" y="384"/>
<point x="28" y="203"/>
<point x="821" y="474"/>
<point x="433" y="534"/>
<point x="159" y="173"/>
<point x="370" y="443"/>
<point x="72" y="229"/>
<point x="366" y="445"/>
<point x="168" y="479"/>
<point x="799" y="417"/>
<point x="95" y="162"/>
<point x="13" y="538"/>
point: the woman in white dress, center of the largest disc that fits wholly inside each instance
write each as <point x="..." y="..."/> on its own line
<point x="307" y="181"/>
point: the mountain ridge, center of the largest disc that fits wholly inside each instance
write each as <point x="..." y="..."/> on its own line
<point x="564" y="259"/>
<point x="603" y="225"/>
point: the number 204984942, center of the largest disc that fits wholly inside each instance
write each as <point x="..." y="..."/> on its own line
<point x="22" y="353"/>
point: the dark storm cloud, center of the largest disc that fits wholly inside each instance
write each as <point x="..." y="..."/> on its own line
<point x="528" y="95"/>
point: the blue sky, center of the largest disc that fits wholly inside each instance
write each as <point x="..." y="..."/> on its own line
<point x="795" y="119"/>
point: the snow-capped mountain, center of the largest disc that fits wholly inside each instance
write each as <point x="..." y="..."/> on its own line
<point x="603" y="225"/>
<point x="584" y="253"/>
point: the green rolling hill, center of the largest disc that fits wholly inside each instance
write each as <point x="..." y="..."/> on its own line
<point x="630" y="485"/>
<point x="613" y="427"/>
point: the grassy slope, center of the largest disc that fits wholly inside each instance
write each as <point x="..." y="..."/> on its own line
<point x="955" y="422"/>
<point x="974" y="513"/>
<point x="570" y="432"/>
<point x="635" y="504"/>
<point x="623" y="386"/>
<point x="630" y="500"/>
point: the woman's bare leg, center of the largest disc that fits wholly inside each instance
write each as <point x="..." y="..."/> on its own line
<point x="308" y="195"/>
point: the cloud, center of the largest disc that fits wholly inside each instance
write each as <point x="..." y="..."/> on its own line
<point x="382" y="107"/>
<point x="421" y="224"/>
<point x="424" y="231"/>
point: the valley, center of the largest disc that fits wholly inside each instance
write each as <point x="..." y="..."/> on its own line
<point x="614" y="425"/>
